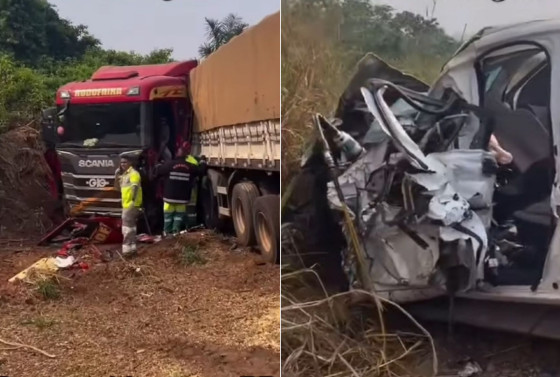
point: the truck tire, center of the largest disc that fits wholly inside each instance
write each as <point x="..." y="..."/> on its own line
<point x="266" y="218"/>
<point x="242" y="202"/>
<point x="211" y="215"/>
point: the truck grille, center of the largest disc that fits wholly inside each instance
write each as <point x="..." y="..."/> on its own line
<point x="95" y="190"/>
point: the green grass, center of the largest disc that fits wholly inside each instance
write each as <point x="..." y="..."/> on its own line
<point x="48" y="289"/>
<point x="191" y="255"/>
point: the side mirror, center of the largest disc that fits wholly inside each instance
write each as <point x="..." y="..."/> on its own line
<point x="48" y="126"/>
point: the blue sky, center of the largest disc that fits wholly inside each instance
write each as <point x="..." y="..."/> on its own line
<point x="144" y="25"/>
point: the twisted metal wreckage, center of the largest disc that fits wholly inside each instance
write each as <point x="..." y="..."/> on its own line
<point x="403" y="183"/>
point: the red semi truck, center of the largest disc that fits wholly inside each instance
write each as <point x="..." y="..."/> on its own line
<point x="227" y="107"/>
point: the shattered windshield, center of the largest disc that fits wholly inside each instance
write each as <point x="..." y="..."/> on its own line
<point x="102" y="125"/>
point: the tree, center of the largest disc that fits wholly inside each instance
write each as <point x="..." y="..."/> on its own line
<point x="31" y="30"/>
<point x="22" y="92"/>
<point x="219" y="32"/>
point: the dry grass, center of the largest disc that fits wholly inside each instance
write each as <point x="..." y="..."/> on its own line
<point x="314" y="73"/>
<point x="342" y="334"/>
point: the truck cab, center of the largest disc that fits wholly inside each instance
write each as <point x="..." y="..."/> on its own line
<point x="139" y="110"/>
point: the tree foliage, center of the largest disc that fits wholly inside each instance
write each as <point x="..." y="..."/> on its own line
<point x="219" y="32"/>
<point x="39" y="52"/>
<point x="31" y="30"/>
<point x="359" y="26"/>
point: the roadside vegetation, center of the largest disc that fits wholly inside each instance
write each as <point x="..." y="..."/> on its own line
<point x="322" y="40"/>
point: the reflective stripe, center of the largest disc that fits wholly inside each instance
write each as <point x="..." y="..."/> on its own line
<point x="175" y="201"/>
<point x="179" y="174"/>
<point x="179" y="179"/>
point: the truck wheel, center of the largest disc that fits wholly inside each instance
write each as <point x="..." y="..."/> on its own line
<point x="242" y="202"/>
<point x="266" y="217"/>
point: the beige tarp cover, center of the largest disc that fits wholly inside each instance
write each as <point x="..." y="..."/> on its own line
<point x="240" y="82"/>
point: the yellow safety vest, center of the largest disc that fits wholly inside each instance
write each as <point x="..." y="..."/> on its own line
<point x="191" y="160"/>
<point x="130" y="179"/>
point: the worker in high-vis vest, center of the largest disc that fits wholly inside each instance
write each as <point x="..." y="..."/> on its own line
<point x="191" y="215"/>
<point x="128" y="180"/>
<point x="181" y="174"/>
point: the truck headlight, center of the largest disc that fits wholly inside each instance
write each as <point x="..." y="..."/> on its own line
<point x="134" y="91"/>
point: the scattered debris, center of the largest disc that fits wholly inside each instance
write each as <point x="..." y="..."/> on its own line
<point x="470" y="369"/>
<point x="146" y="238"/>
<point x="62" y="262"/>
<point x="80" y="237"/>
<point x="43" y="267"/>
<point x="97" y="230"/>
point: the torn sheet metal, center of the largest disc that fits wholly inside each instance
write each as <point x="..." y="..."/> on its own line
<point x="354" y="179"/>
<point x="397" y="259"/>
<point x="405" y="252"/>
<point x="98" y="230"/>
<point x="394" y="129"/>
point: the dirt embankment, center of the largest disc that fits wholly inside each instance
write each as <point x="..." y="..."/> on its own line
<point x="167" y="312"/>
<point x="25" y="200"/>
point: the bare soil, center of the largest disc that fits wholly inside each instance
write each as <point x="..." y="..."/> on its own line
<point x="152" y="315"/>
<point x="499" y="354"/>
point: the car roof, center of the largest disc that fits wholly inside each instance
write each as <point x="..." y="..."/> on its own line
<point x="490" y="37"/>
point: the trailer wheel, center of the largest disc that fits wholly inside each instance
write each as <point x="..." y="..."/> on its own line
<point x="242" y="202"/>
<point x="266" y="217"/>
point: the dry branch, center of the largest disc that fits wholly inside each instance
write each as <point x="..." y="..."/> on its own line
<point x="21" y="345"/>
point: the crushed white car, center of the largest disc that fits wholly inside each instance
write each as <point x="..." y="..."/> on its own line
<point x="425" y="203"/>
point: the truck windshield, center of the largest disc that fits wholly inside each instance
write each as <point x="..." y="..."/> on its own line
<point x="102" y="125"/>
